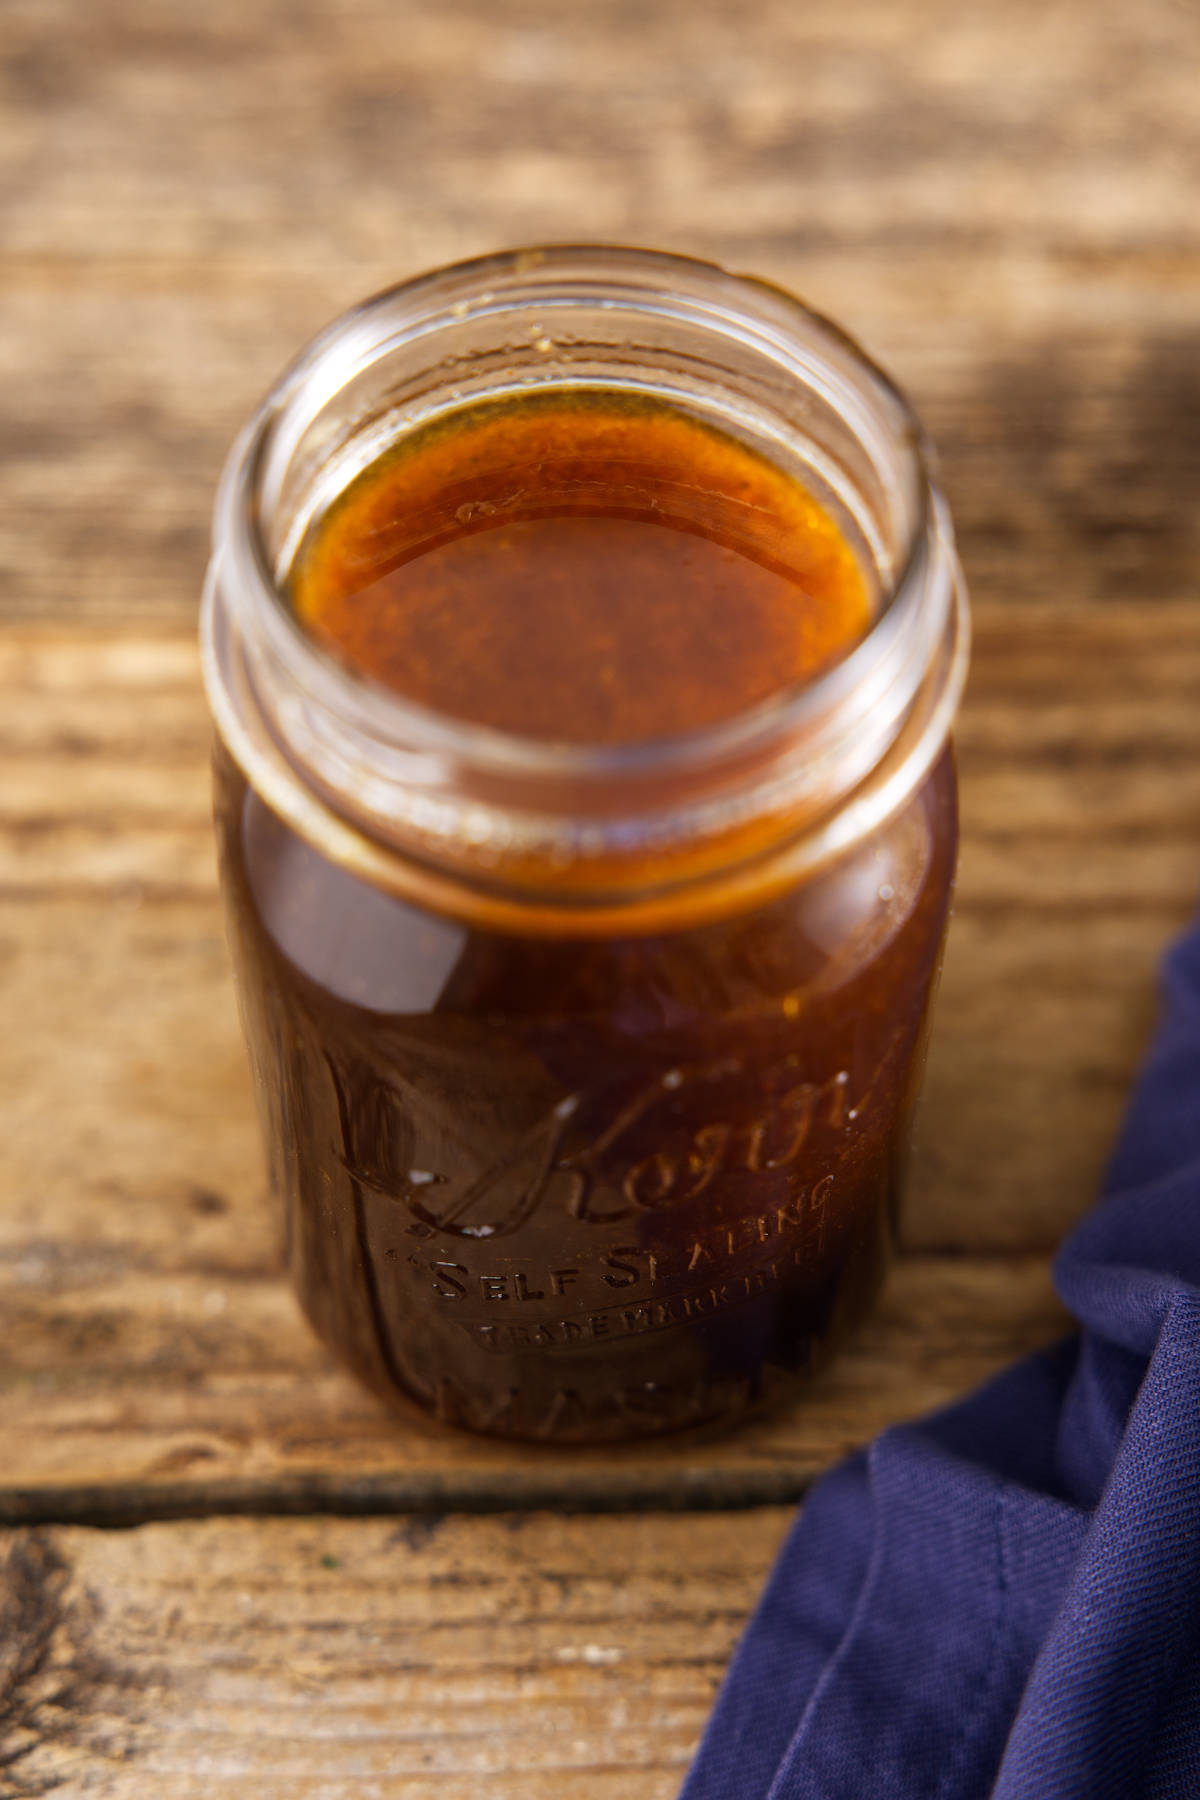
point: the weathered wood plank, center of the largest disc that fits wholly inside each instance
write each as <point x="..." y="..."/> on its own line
<point x="153" y="1359"/>
<point x="399" y="1660"/>
<point x="188" y="198"/>
<point x="141" y="1384"/>
<point x="344" y="132"/>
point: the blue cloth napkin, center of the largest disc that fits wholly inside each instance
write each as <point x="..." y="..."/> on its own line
<point x="1004" y="1599"/>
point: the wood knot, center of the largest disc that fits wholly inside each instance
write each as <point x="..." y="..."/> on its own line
<point x="50" y="1674"/>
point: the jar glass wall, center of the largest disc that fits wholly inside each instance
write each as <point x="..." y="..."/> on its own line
<point x="586" y="1077"/>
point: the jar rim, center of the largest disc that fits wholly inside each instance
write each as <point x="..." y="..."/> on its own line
<point x="237" y="524"/>
<point x="287" y="687"/>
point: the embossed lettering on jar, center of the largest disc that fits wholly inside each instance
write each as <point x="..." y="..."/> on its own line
<point x="583" y="636"/>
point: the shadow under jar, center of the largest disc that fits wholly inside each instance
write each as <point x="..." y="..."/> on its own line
<point x="586" y="1069"/>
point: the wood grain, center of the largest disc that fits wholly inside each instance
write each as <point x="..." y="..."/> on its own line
<point x="998" y="199"/>
<point x="371" y="1660"/>
<point x="183" y="1389"/>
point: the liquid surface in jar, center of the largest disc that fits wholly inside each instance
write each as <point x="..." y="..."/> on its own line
<point x="583" y="567"/>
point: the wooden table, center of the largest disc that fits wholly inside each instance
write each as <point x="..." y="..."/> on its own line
<point x="307" y="1600"/>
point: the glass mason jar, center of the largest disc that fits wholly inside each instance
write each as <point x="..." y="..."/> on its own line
<point x="585" y="1074"/>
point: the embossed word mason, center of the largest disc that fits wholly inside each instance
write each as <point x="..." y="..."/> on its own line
<point x="583" y="636"/>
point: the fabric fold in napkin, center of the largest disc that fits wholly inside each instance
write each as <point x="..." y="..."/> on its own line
<point x="1004" y="1599"/>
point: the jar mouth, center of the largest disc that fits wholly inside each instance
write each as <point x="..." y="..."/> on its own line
<point x="512" y="809"/>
